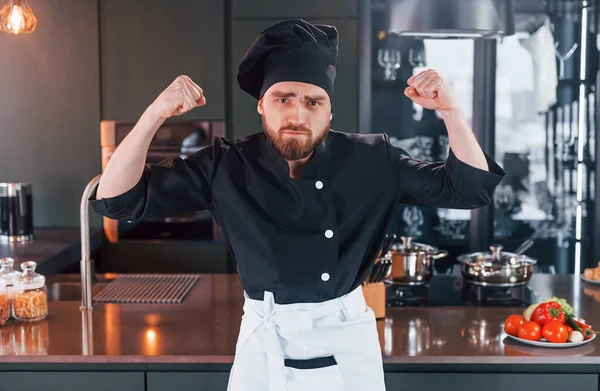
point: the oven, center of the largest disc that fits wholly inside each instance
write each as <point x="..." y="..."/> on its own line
<point x="174" y="138"/>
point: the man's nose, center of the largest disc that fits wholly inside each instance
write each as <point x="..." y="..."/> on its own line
<point x="297" y="116"/>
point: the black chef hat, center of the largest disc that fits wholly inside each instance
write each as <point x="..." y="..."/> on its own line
<point x="291" y="50"/>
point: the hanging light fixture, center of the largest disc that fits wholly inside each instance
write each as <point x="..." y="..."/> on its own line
<point x="451" y="18"/>
<point x="16" y="17"/>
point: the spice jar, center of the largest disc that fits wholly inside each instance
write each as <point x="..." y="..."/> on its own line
<point x="9" y="275"/>
<point x="7" y="271"/>
<point x="4" y="303"/>
<point x="30" y="298"/>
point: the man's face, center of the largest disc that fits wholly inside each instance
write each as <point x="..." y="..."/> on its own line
<point x="296" y="117"/>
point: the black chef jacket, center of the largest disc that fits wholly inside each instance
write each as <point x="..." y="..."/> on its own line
<point x="310" y="239"/>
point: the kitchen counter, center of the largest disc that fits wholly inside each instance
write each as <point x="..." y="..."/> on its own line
<point x="53" y="249"/>
<point x="199" y="335"/>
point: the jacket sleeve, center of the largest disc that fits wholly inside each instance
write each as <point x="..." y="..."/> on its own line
<point x="175" y="185"/>
<point x="451" y="184"/>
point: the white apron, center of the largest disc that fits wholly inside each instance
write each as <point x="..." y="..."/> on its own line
<point x="333" y="345"/>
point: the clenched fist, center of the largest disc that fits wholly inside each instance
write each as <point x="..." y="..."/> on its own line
<point x="430" y="90"/>
<point x="178" y="98"/>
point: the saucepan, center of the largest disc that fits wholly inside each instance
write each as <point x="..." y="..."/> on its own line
<point x="497" y="268"/>
<point x="412" y="262"/>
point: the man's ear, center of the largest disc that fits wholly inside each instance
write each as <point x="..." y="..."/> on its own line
<point x="259" y="106"/>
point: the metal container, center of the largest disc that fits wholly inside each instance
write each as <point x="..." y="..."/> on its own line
<point x="497" y="268"/>
<point x="16" y="212"/>
<point x="412" y="263"/>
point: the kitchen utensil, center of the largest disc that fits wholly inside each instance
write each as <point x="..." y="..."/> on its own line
<point x="524" y="246"/>
<point x="385" y="257"/>
<point x="384" y="269"/>
<point x="16" y="214"/>
<point x="544" y="343"/>
<point x="374" y="273"/>
<point x="496" y="268"/>
<point x="378" y="269"/>
<point x="387" y="244"/>
<point x="412" y="263"/>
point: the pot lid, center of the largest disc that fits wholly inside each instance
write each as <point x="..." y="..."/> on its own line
<point x="496" y="257"/>
<point x="408" y="245"/>
<point x="451" y="18"/>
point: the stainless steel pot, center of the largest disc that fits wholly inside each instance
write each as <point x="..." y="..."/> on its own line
<point x="412" y="263"/>
<point x="497" y="268"/>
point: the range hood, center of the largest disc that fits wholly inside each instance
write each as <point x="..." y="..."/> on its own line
<point x="451" y="18"/>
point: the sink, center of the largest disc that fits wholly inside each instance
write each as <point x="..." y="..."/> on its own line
<point x="67" y="287"/>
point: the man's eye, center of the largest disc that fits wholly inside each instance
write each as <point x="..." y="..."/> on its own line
<point x="314" y="103"/>
<point x="282" y="100"/>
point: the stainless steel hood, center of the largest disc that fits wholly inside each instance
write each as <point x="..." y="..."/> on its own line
<point x="451" y="18"/>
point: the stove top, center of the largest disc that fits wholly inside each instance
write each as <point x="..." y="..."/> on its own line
<point x="451" y="290"/>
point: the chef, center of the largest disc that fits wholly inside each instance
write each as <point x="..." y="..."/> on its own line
<point x="302" y="207"/>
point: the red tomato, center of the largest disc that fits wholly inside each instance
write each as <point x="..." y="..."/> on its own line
<point x="555" y="332"/>
<point x="512" y="323"/>
<point x="530" y="330"/>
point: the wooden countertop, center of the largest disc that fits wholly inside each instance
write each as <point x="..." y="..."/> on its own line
<point x="53" y="249"/>
<point x="203" y="330"/>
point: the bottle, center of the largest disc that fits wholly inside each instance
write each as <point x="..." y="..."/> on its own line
<point x="30" y="297"/>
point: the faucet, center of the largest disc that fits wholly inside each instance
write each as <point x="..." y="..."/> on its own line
<point x="86" y="269"/>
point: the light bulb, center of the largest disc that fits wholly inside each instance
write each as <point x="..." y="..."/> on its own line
<point x="16" y="17"/>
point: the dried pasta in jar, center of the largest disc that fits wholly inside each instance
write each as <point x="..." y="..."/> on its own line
<point x="30" y="305"/>
<point x="4" y="307"/>
<point x="30" y="300"/>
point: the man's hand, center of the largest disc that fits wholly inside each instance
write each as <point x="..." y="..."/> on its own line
<point x="430" y="90"/>
<point x="178" y="98"/>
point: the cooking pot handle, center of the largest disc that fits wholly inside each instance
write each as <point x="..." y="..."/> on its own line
<point x="440" y="254"/>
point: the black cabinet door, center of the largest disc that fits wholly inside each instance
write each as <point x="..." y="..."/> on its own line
<point x="262" y="9"/>
<point x="245" y="118"/>
<point x="146" y="44"/>
<point x="187" y="381"/>
<point x="62" y="381"/>
<point x="490" y="381"/>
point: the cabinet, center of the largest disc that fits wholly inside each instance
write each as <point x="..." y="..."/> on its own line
<point x="294" y="9"/>
<point x="245" y="118"/>
<point x="491" y="381"/>
<point x="187" y="381"/>
<point x="146" y="45"/>
<point x="61" y="381"/>
<point x="213" y="379"/>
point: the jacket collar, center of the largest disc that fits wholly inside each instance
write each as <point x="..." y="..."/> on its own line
<point x="274" y="159"/>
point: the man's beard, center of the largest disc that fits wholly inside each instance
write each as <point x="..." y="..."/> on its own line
<point x="294" y="148"/>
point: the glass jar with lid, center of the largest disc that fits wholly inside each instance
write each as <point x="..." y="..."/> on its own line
<point x="4" y="303"/>
<point x="30" y="298"/>
<point x="8" y="274"/>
